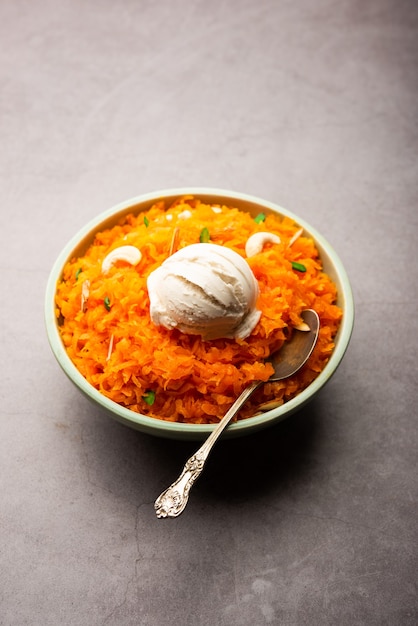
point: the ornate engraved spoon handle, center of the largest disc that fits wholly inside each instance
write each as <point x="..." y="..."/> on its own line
<point x="174" y="499"/>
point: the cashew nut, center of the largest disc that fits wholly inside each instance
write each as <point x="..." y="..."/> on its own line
<point x="130" y="254"/>
<point x="255" y="243"/>
<point x="184" y="215"/>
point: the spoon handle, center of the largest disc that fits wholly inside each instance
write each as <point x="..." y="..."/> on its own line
<point x="173" y="500"/>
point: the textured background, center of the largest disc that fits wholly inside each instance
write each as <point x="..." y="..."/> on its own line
<point x="312" y="105"/>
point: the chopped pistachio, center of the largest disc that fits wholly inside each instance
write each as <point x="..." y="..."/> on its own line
<point x="298" y="266"/>
<point x="259" y="218"/>
<point x="204" y="235"/>
<point x="149" y="397"/>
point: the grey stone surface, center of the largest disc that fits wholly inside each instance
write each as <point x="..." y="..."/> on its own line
<point x="312" y="105"/>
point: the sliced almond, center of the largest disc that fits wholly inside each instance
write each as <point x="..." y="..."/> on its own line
<point x="85" y="292"/>
<point x="174" y="241"/>
<point x="270" y="405"/>
<point x="110" y="350"/>
<point x="295" y="237"/>
<point x="303" y="326"/>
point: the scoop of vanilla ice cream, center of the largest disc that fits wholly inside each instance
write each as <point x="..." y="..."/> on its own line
<point x="205" y="289"/>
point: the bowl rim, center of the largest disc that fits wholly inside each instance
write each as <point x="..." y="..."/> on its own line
<point x="176" y="430"/>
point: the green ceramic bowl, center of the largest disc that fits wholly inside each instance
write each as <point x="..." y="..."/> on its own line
<point x="84" y="238"/>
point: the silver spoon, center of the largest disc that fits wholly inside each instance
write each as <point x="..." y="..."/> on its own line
<point x="286" y="362"/>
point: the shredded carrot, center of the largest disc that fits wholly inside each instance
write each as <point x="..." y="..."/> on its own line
<point x="114" y="344"/>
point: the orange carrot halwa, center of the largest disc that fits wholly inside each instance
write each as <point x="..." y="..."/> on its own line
<point x="105" y="323"/>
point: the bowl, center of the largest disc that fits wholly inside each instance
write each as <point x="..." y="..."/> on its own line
<point x="173" y="430"/>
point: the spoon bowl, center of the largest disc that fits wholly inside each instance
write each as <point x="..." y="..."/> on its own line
<point x="294" y="353"/>
<point x="286" y="362"/>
